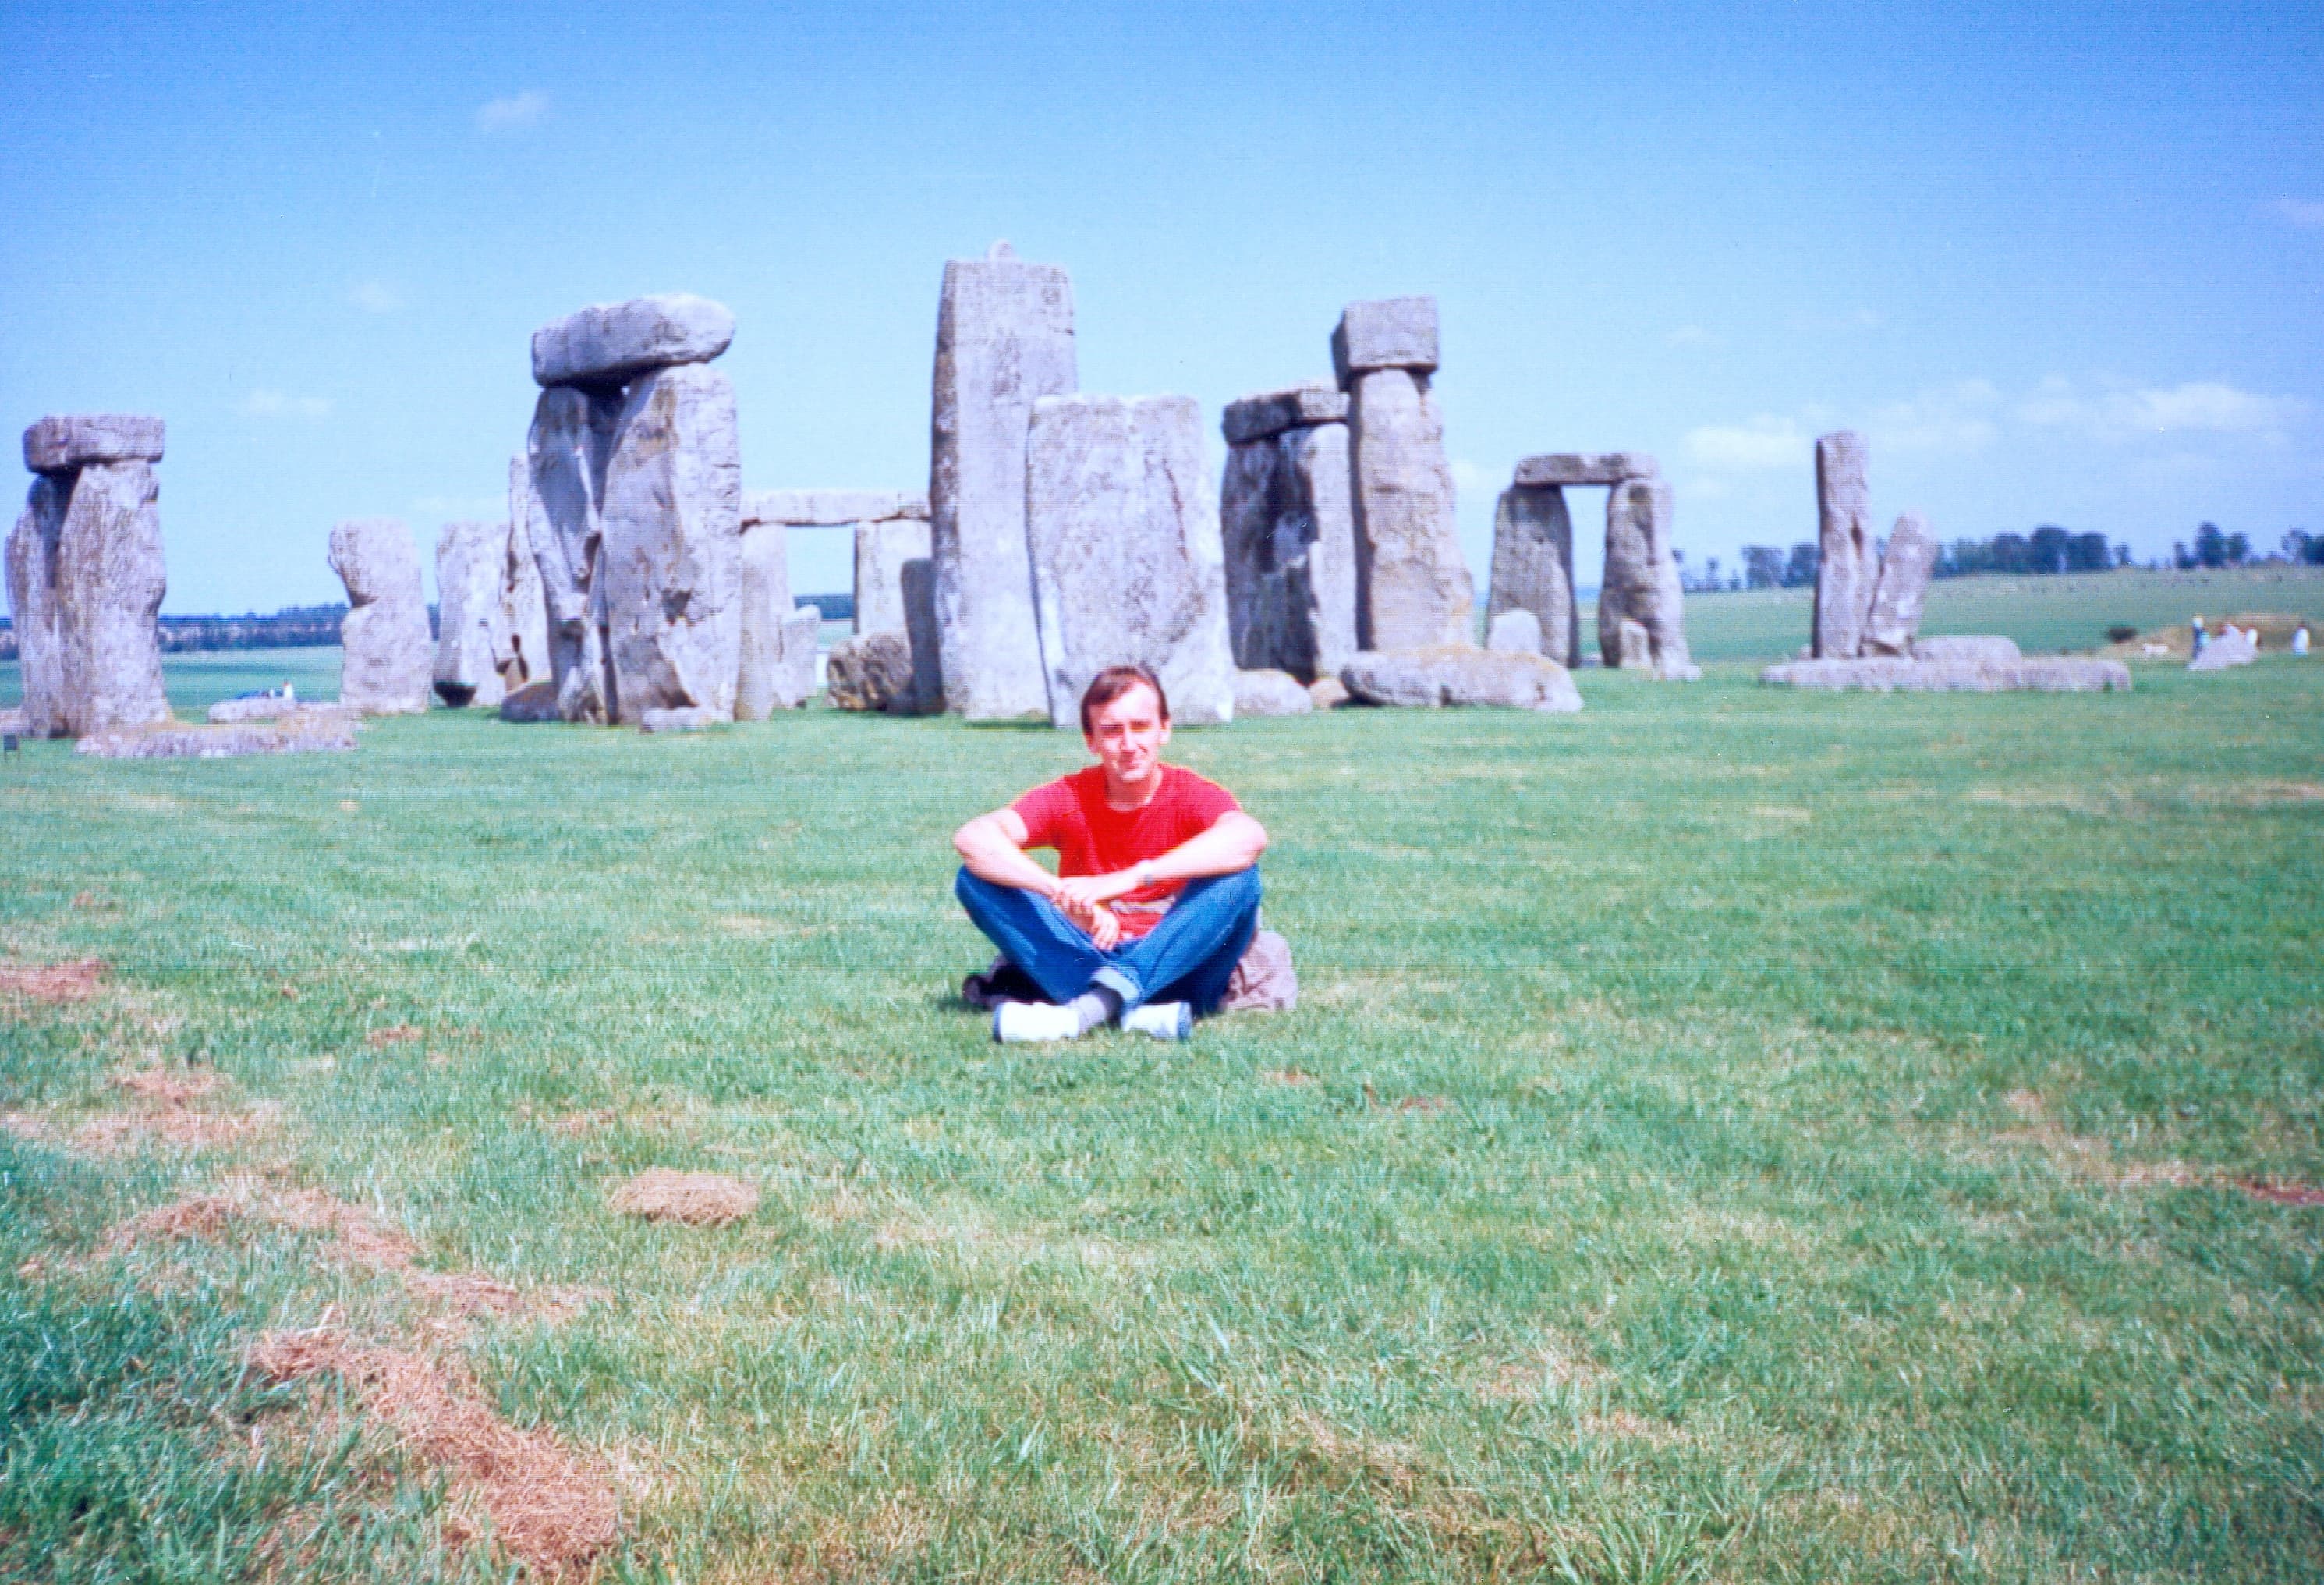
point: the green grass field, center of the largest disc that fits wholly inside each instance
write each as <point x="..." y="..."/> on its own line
<point x="1730" y="1135"/>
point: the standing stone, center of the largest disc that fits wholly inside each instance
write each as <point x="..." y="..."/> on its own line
<point x="1911" y="559"/>
<point x="1414" y="588"/>
<point x="1127" y="565"/>
<point x="1287" y="519"/>
<point x="468" y="557"/>
<point x="672" y="544"/>
<point x="1515" y="631"/>
<point x="1532" y="569"/>
<point x="522" y="637"/>
<point x="895" y="593"/>
<point x="1845" y="571"/>
<point x="385" y="665"/>
<point x="761" y="685"/>
<point x="795" y="682"/>
<point x="1004" y="339"/>
<point x="1641" y="582"/>
<point x="1391" y="333"/>
<point x="32" y="605"/>
<point x="109" y="584"/>
<point x="566" y="452"/>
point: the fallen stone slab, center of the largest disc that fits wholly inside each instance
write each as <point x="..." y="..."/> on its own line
<point x="1558" y="468"/>
<point x="534" y="702"/>
<point x="833" y="508"/>
<point x="1270" y="412"/>
<point x="608" y="343"/>
<point x="1979" y="647"/>
<point x="686" y="718"/>
<point x="2230" y="646"/>
<point x="72" y="440"/>
<point x="275" y="707"/>
<point x="2060" y="675"/>
<point x="1456" y="675"/>
<point x="322" y="732"/>
<point x="1390" y="332"/>
<point x="1328" y="692"/>
<point x="870" y="672"/>
<point x="1268" y="691"/>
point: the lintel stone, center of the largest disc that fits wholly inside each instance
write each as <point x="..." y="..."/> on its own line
<point x="1559" y="468"/>
<point x="608" y="343"/>
<point x="1392" y="332"/>
<point x="1270" y="412"/>
<point x="54" y="444"/>
<point x="833" y="508"/>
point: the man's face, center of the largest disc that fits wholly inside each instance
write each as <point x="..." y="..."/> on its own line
<point x="1127" y="734"/>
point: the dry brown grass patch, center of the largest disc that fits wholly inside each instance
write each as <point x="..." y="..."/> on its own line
<point x="51" y="984"/>
<point x="2277" y="1192"/>
<point x="549" y="1506"/>
<point x="172" y="1086"/>
<point x="1287" y="1076"/>
<point x="380" y="1039"/>
<point x="201" y="1216"/>
<point x="575" y="1125"/>
<point x="171" y="1125"/>
<point x="698" y="1199"/>
<point x="2079" y="1156"/>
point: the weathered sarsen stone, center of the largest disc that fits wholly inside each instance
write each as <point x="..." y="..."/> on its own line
<point x="1460" y="674"/>
<point x="566" y="453"/>
<point x="895" y="593"/>
<point x="32" y="605"/>
<point x="773" y="677"/>
<point x="109" y="584"/>
<point x="385" y="662"/>
<point x="1532" y="569"/>
<point x="1270" y="692"/>
<point x="1846" y="570"/>
<point x="1413" y="586"/>
<point x="1982" y="647"/>
<point x="1515" y="631"/>
<point x="672" y="544"/>
<point x="1558" y="468"/>
<point x="2049" y="675"/>
<point x="1641" y="581"/>
<point x="605" y="343"/>
<point x="1004" y="339"/>
<point x="1893" y="619"/>
<point x="1124" y="537"/>
<point x="60" y="442"/>
<point x="1287" y="520"/>
<point x="870" y="672"/>
<point x="468" y="566"/>
<point x="521" y="638"/>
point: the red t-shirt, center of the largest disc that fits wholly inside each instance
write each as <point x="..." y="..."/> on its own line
<point x="1092" y="838"/>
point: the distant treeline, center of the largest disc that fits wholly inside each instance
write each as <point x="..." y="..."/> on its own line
<point x="2047" y="549"/>
<point x="303" y="627"/>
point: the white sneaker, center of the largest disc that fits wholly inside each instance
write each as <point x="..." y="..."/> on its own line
<point x="1014" y="1021"/>
<point x="1164" y="1020"/>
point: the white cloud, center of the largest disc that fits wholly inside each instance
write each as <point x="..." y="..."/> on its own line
<point x="1765" y="444"/>
<point x="1466" y="474"/>
<point x="1692" y="336"/>
<point x="2300" y="213"/>
<point x="375" y="296"/>
<point x="2126" y="412"/>
<point x="273" y="404"/>
<point x="518" y="110"/>
<point x="1948" y="417"/>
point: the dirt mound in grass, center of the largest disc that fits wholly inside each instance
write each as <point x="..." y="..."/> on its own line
<point x="2282" y="1194"/>
<point x="549" y="1506"/>
<point x="172" y="1086"/>
<point x="50" y="983"/>
<point x="698" y="1199"/>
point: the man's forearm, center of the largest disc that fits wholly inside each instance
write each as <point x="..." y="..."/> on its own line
<point x="992" y="857"/>
<point x="1232" y="844"/>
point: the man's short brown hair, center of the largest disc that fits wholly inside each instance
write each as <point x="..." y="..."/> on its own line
<point x="1113" y="682"/>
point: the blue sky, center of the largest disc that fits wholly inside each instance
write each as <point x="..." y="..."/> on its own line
<point x="2064" y="263"/>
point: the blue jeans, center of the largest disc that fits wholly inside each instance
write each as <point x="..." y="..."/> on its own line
<point x="1188" y="955"/>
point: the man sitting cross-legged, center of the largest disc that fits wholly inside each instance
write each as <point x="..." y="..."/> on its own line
<point x="1156" y="895"/>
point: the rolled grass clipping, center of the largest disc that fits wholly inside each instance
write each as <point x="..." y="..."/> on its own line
<point x="698" y="1199"/>
<point x="549" y="1508"/>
